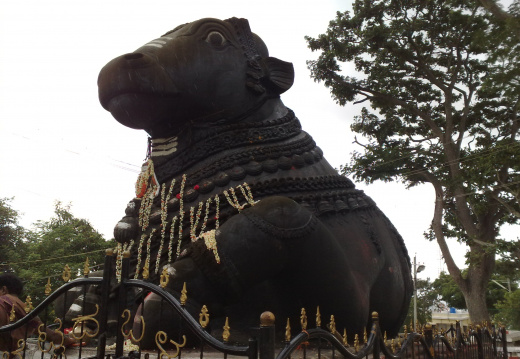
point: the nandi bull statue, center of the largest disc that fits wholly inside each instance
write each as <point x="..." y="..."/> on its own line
<point x="235" y="199"/>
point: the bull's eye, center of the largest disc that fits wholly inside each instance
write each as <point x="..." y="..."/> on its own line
<point x="215" y="38"/>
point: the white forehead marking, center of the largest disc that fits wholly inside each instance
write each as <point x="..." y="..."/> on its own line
<point x="154" y="45"/>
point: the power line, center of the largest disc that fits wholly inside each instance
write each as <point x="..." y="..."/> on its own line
<point x="54" y="258"/>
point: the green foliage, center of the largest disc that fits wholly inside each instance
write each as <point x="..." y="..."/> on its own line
<point x="445" y="288"/>
<point x="11" y="233"/>
<point x="427" y="299"/>
<point x="443" y="82"/>
<point x="63" y="239"/>
<point x="509" y="310"/>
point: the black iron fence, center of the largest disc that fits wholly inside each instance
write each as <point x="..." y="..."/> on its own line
<point x="91" y="330"/>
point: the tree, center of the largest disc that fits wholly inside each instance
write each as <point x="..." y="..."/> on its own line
<point x="426" y="300"/>
<point x="11" y="233"/>
<point x="509" y="310"/>
<point x="443" y="115"/>
<point x="62" y="240"/>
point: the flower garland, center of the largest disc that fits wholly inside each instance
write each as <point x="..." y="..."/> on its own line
<point x="172" y="236"/>
<point x="139" y="255"/>
<point x="211" y="243"/>
<point x="181" y="209"/>
<point x="148" y="246"/>
<point x="205" y="221"/>
<point x="120" y="249"/>
<point x="164" y="222"/>
<point x="195" y="222"/>
<point x="152" y="189"/>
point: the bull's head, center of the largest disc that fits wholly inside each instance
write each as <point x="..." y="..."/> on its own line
<point x="205" y="72"/>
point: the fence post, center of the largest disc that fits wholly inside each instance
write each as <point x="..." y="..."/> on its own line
<point x="376" y="332"/>
<point x="105" y="289"/>
<point x="504" y="342"/>
<point x="428" y="338"/>
<point x="480" y="345"/>
<point x="266" y="336"/>
<point x="121" y="304"/>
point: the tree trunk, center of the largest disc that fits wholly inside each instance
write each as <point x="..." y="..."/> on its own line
<point x="477" y="307"/>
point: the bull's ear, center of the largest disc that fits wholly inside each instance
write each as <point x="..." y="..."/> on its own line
<point x="280" y="74"/>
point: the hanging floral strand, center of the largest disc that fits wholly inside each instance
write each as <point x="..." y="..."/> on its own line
<point x="181" y="207"/>
<point x="233" y="202"/>
<point x="195" y="222"/>
<point x="217" y="211"/>
<point x="139" y="255"/>
<point x="148" y="246"/>
<point x="164" y="222"/>
<point x="172" y="236"/>
<point x="248" y="196"/>
<point x="121" y="248"/>
<point x="211" y="243"/>
<point x="206" y="214"/>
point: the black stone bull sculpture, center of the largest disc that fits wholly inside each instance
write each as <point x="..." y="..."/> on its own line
<point x="235" y="199"/>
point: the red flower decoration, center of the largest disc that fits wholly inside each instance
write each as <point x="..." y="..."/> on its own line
<point x="196" y="188"/>
<point x="178" y="196"/>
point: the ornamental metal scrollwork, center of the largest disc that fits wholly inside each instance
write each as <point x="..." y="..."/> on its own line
<point x="162" y="338"/>
<point x="66" y="273"/>
<point x="204" y="317"/>
<point x="226" y="333"/>
<point x="131" y="332"/>
<point x="12" y="314"/>
<point x="79" y="323"/>
<point x="18" y="352"/>
<point x="48" y="287"/>
<point x="165" y="278"/>
<point x="303" y="320"/>
<point x="184" y="294"/>
<point x="42" y="338"/>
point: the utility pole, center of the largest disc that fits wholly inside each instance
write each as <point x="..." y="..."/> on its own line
<point x="416" y="269"/>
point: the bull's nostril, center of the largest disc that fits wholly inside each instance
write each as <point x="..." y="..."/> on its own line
<point x="133" y="56"/>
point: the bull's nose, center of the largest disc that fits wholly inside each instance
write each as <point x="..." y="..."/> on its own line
<point x="136" y="60"/>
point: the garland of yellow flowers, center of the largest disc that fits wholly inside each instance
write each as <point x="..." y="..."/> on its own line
<point x="120" y="249"/>
<point x="147" y="183"/>
<point x="164" y="222"/>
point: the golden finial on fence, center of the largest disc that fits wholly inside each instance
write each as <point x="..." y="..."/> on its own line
<point x="184" y="295"/>
<point x="385" y="338"/>
<point x="318" y="317"/>
<point x="48" y="288"/>
<point x="146" y="268"/>
<point x="345" y="340"/>
<point x="412" y="328"/>
<point x="225" y="333"/>
<point x="392" y="346"/>
<point x="332" y="325"/>
<point x="288" y="331"/>
<point x="86" y="269"/>
<point x="204" y="317"/>
<point x="66" y="273"/>
<point x="303" y="320"/>
<point x="12" y="315"/>
<point x="365" y="338"/>
<point x="165" y="278"/>
<point x="356" y="343"/>
<point x="28" y="304"/>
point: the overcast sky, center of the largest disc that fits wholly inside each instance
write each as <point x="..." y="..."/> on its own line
<point x="58" y="143"/>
